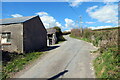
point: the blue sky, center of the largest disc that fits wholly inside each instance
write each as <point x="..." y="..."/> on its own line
<point x="65" y="15"/>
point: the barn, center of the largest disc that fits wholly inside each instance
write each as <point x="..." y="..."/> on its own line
<point x="23" y="34"/>
<point x="51" y="36"/>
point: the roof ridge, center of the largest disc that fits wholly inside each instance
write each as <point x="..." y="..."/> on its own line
<point x="19" y="17"/>
<point x="16" y="20"/>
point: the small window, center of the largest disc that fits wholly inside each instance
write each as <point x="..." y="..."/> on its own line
<point x="6" y="38"/>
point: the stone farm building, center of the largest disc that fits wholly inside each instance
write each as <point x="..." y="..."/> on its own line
<point x="51" y="36"/>
<point x="23" y="34"/>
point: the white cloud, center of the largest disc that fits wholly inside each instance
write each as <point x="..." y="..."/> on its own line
<point x="107" y="13"/>
<point x="41" y="13"/>
<point x="76" y="3"/>
<point x="108" y="1"/>
<point x="48" y="20"/>
<point x="90" y="22"/>
<point x="91" y="8"/>
<point x="58" y="24"/>
<point x="69" y="23"/>
<point x="100" y="27"/>
<point x="17" y="15"/>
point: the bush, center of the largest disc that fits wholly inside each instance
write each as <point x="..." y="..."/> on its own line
<point x="59" y="34"/>
<point x="76" y="32"/>
<point x="66" y="32"/>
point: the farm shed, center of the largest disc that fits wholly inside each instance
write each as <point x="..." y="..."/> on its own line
<point x="23" y="34"/>
<point x="51" y="36"/>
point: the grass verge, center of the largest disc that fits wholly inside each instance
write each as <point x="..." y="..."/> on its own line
<point x="107" y="64"/>
<point x="17" y="64"/>
<point x="84" y="39"/>
<point x="60" y="42"/>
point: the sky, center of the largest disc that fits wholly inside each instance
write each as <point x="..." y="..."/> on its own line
<point x="94" y="15"/>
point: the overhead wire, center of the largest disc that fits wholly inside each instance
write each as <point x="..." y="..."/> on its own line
<point x="73" y="9"/>
<point x="76" y="13"/>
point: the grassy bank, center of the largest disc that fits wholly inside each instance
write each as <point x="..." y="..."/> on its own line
<point x="107" y="64"/>
<point x="84" y="39"/>
<point x="18" y="63"/>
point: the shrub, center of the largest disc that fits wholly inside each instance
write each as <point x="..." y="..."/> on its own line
<point x="66" y="32"/>
<point x="59" y="34"/>
<point x="76" y="32"/>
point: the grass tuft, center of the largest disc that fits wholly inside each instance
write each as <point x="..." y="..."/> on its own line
<point x="18" y="64"/>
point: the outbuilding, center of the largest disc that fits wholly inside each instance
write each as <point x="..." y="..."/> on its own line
<point x="51" y="36"/>
<point x="23" y="34"/>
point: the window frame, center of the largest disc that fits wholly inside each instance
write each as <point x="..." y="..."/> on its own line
<point x="6" y="35"/>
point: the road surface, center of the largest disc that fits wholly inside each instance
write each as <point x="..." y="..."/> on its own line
<point x="70" y="59"/>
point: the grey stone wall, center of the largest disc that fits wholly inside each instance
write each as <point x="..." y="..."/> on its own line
<point x="16" y="40"/>
<point x="35" y="35"/>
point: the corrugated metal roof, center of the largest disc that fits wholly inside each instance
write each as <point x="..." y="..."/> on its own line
<point x="15" y="20"/>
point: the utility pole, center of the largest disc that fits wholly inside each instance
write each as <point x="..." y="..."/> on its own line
<point x="49" y="25"/>
<point x="77" y="26"/>
<point x="81" y="25"/>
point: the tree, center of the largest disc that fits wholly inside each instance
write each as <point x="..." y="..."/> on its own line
<point x="59" y="34"/>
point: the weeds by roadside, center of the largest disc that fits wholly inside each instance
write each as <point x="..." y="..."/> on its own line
<point x="18" y="63"/>
<point x="107" y="63"/>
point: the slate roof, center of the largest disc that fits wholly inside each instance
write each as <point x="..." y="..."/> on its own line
<point x="51" y="31"/>
<point x="15" y="20"/>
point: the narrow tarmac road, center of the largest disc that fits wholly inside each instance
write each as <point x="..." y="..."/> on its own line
<point x="70" y="59"/>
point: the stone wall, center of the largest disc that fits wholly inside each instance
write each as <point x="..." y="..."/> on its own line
<point x="16" y="39"/>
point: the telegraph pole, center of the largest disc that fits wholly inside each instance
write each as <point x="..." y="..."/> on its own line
<point x="77" y="24"/>
<point x="81" y="25"/>
<point x="49" y="25"/>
